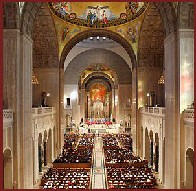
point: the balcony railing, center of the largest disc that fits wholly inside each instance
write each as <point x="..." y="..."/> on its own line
<point x="8" y="115"/>
<point x="189" y="114"/>
<point x="43" y="110"/>
<point x="153" y="110"/>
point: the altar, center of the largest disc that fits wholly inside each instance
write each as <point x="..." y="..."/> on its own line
<point x="100" y="128"/>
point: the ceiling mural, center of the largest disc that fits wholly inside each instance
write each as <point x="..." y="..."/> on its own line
<point x="98" y="14"/>
<point x="67" y="25"/>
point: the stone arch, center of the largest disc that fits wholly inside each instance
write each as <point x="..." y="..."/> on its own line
<point x="151" y="147"/>
<point x="40" y="139"/>
<point x="141" y="140"/>
<point x="98" y="32"/>
<point x="156" y="154"/>
<point x="189" y="168"/>
<point x="49" y="147"/>
<point x="40" y="144"/>
<point x="45" y="136"/>
<point x="45" y="147"/>
<point x="8" y="168"/>
<point x="98" y="56"/>
<point x="151" y="135"/>
<point x="147" y="145"/>
<point x="99" y="74"/>
<point x="101" y="81"/>
<point x="156" y="138"/>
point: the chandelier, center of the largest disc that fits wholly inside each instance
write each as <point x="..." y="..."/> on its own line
<point x="34" y="79"/>
<point x="161" y="80"/>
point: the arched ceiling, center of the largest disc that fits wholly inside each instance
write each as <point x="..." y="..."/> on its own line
<point x="151" y="40"/>
<point x="88" y="44"/>
<point x="166" y="10"/>
<point x="97" y="56"/>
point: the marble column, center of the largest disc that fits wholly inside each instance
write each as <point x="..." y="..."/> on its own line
<point x="25" y="110"/>
<point x="161" y="160"/>
<point x="134" y="110"/>
<point x="144" y="143"/>
<point x="113" y="104"/>
<point x="36" y="161"/>
<point x="82" y="104"/>
<point x="61" y="109"/>
<point x="117" y="105"/>
<point x="11" y="93"/>
<point x="186" y="61"/>
<point x="186" y="46"/>
<point x="18" y="96"/>
<point x="172" y="111"/>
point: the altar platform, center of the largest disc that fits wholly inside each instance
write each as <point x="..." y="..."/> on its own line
<point x="101" y="128"/>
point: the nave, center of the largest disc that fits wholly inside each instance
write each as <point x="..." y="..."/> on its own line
<point x="98" y="161"/>
<point x="64" y="72"/>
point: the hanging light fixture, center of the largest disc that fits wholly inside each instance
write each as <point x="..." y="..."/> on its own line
<point x="34" y="79"/>
<point x="161" y="80"/>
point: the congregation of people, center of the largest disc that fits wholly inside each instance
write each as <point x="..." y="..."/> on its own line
<point x="123" y="168"/>
<point x="77" y="152"/>
<point x="66" y="178"/>
<point x="75" y="176"/>
<point x="109" y="140"/>
<point x="87" y="141"/>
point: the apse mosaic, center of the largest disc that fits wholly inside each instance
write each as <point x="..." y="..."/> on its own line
<point x="98" y="14"/>
<point x="98" y="92"/>
<point x="69" y="16"/>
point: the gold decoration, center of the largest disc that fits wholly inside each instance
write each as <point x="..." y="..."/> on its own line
<point x="34" y="79"/>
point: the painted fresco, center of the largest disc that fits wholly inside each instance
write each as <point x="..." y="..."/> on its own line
<point x="98" y="14"/>
<point x="98" y="92"/>
<point x="66" y="30"/>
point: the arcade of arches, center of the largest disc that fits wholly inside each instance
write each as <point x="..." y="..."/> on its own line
<point x="111" y="85"/>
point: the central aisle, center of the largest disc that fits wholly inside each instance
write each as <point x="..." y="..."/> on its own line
<point x="98" y="171"/>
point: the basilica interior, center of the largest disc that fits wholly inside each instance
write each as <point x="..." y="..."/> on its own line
<point x="98" y="95"/>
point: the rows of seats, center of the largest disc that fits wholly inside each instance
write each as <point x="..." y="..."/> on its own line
<point x="66" y="178"/>
<point x="124" y="169"/>
<point x="86" y="140"/>
<point x="109" y="140"/>
<point x="125" y="140"/>
<point x="72" y="166"/>
<point x="131" y="177"/>
<point x="77" y="155"/>
<point x="120" y="155"/>
<point x="70" y="140"/>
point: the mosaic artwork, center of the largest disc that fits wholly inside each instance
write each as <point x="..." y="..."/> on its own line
<point x="98" y="92"/>
<point x="98" y="14"/>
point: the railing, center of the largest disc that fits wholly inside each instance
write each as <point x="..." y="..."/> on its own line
<point x="43" y="110"/>
<point x="153" y="110"/>
<point x="189" y="114"/>
<point x="7" y="115"/>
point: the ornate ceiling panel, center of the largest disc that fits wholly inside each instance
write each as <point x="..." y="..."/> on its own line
<point x="98" y="14"/>
<point x="128" y="28"/>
